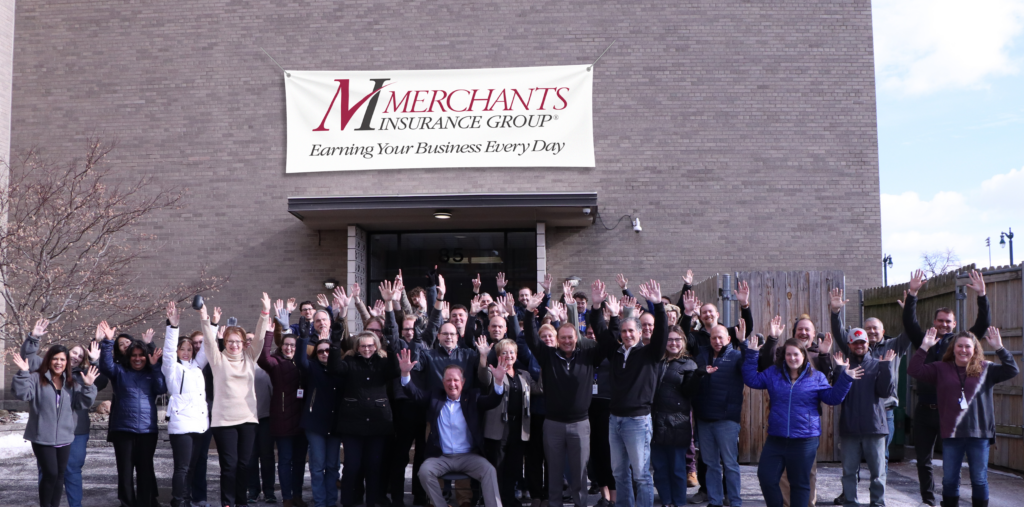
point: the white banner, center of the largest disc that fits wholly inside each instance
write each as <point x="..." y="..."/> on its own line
<point x="519" y="117"/>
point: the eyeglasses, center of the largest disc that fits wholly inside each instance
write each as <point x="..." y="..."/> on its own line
<point x="370" y="346"/>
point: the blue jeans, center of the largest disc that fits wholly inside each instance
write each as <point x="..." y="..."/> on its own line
<point x="669" y="463"/>
<point x="290" y="470"/>
<point x="324" y="455"/>
<point x="890" y="420"/>
<point x="630" y="442"/>
<point x="199" y="475"/>
<point x="719" y="444"/>
<point x="953" y="451"/>
<point x="792" y="456"/>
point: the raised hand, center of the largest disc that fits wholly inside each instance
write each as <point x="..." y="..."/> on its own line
<point x="826" y="343"/>
<point x="440" y="286"/>
<point x="753" y="343"/>
<point x="476" y="305"/>
<point x="290" y="305"/>
<point x="325" y="333"/>
<point x="653" y="291"/>
<point x="271" y="326"/>
<point x="531" y="304"/>
<point x="216" y="313"/>
<point x="378" y="308"/>
<point x="476" y="284"/>
<point x="90" y="374"/>
<point x="567" y="293"/>
<point x="840" y="359"/>
<point x="94" y="351"/>
<point x="19" y="361"/>
<point x="743" y="293"/>
<point x="992" y="337"/>
<point x="278" y="306"/>
<point x="405" y="362"/>
<point x="172" y="314"/>
<point x="889" y="356"/>
<point x="501" y="281"/>
<point x="930" y="339"/>
<point x="508" y="303"/>
<point x="836" y="301"/>
<point x="559" y="311"/>
<point x="108" y="332"/>
<point x="903" y="301"/>
<point x="203" y="315"/>
<point x="597" y="293"/>
<point x="623" y="281"/>
<point x="322" y="300"/>
<point x="445" y="310"/>
<point x="916" y="282"/>
<point x="99" y="332"/>
<point x="498" y="371"/>
<point x="711" y="369"/>
<point x="40" y="328"/>
<point x="357" y="291"/>
<point x="688" y="277"/>
<point x="546" y="284"/>
<point x="777" y="327"/>
<point x="690" y="303"/>
<point x="220" y="331"/>
<point x="147" y="337"/>
<point x="977" y="282"/>
<point x="397" y="289"/>
<point x="613" y="305"/>
<point x="155" y="356"/>
<point x="341" y="299"/>
<point x="741" y="329"/>
<point x="627" y="302"/>
<point x="386" y="290"/>
<point x="483" y="346"/>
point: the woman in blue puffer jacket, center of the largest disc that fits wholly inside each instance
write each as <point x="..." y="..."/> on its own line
<point x="794" y="426"/>
<point x="133" y="427"/>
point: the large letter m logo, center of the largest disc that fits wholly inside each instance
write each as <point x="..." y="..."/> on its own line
<point x="348" y="112"/>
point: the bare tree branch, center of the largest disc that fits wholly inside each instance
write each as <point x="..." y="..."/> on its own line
<point x="937" y="263"/>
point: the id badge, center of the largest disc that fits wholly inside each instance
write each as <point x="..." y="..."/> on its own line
<point x="595" y="389"/>
<point x="963" y="401"/>
<point x="298" y="394"/>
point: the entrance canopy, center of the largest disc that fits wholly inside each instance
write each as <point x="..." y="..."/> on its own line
<point x="446" y="211"/>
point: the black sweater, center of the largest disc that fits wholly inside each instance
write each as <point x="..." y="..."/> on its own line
<point x="568" y="385"/>
<point x="634" y="378"/>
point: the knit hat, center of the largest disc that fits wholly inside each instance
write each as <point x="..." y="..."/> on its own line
<point x="857" y="334"/>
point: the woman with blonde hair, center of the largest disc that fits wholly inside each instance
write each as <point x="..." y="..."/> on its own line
<point x="234" y="419"/>
<point x="963" y="381"/>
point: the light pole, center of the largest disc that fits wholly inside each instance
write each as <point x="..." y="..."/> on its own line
<point x="1003" y="236"/>
<point x="886" y="264"/>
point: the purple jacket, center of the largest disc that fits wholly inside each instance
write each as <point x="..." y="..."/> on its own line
<point x="794" y="406"/>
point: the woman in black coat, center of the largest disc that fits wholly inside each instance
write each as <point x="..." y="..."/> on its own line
<point x="363" y="418"/>
<point x="670" y="415"/>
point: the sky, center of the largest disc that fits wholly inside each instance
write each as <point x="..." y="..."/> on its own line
<point x="950" y="89"/>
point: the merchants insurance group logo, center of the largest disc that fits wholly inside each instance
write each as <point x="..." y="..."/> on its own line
<point x="456" y="108"/>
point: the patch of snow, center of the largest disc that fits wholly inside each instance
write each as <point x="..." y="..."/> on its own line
<point x="14" y="445"/>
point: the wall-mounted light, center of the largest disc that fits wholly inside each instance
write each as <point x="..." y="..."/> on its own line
<point x="442" y="214"/>
<point x="331" y="283"/>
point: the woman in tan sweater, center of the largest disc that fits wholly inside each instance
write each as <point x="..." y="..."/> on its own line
<point x="233" y="420"/>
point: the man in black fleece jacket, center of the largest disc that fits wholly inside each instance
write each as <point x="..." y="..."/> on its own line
<point x="926" y="414"/>
<point x="634" y="377"/>
<point x="568" y="373"/>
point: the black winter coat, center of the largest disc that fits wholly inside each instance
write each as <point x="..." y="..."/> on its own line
<point x="670" y="413"/>
<point x="363" y="406"/>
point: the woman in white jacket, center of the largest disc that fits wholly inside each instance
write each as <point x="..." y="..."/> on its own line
<point x="186" y="408"/>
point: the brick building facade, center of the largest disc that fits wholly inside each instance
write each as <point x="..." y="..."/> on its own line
<point x="743" y="134"/>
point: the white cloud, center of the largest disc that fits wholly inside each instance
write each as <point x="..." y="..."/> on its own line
<point x="960" y="220"/>
<point x="923" y="46"/>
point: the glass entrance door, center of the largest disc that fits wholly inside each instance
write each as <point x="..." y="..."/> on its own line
<point x="458" y="255"/>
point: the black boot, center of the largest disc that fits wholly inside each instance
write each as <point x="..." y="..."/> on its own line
<point x="950" y="501"/>
<point x="976" y="502"/>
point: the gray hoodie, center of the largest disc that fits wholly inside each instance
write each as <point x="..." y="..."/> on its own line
<point x="50" y="423"/>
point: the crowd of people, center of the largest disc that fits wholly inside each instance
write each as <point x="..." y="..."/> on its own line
<point x="511" y="397"/>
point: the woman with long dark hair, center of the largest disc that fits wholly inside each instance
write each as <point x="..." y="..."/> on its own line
<point x="794" y="425"/>
<point x="133" y="427"/>
<point x="670" y="418"/>
<point x="319" y="403"/>
<point x="54" y="398"/>
<point x="964" y="381"/>
<point x="186" y="409"/>
<point x="234" y="419"/>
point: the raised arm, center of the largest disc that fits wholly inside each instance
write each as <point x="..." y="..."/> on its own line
<point x="267" y="361"/>
<point x="651" y="291"/>
<point x="170" y="351"/>
<point x="301" y="354"/>
<point x="884" y="386"/>
<point x="30" y="347"/>
<point x="911" y="326"/>
<point x="917" y="367"/>
<point x="984" y="320"/>
<point x="107" y="365"/>
<point x="336" y="365"/>
<point x="840" y="333"/>
<point x="753" y="378"/>
<point x="834" y="394"/>
<point x="999" y="372"/>
<point x="259" y="337"/>
<point x="23" y="385"/>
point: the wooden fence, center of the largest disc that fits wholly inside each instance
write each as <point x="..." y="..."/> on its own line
<point x="788" y="294"/>
<point x="1006" y="301"/>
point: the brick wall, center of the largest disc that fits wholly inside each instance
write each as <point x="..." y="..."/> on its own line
<point x="743" y="134"/>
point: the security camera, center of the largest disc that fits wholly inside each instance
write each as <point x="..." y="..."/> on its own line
<point x="586" y="211"/>
<point x="636" y="225"/>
